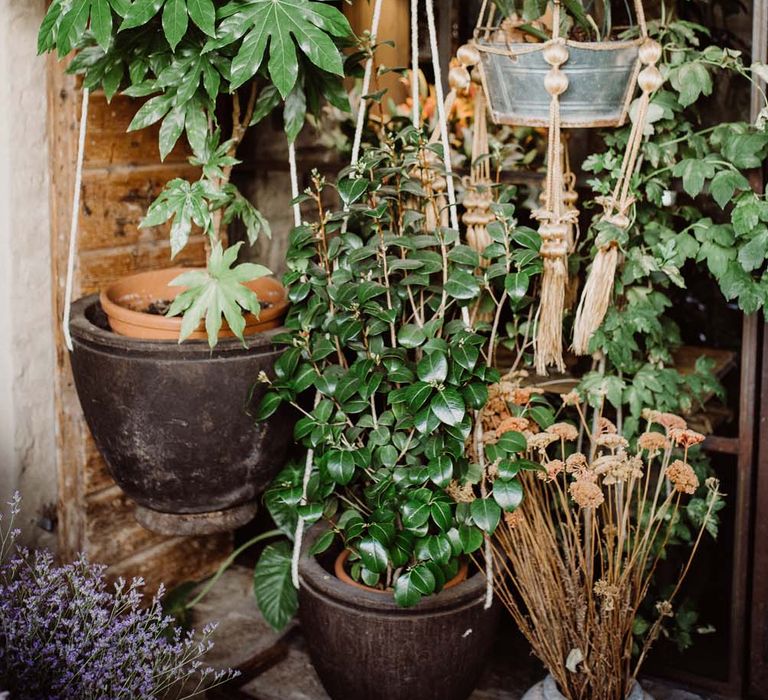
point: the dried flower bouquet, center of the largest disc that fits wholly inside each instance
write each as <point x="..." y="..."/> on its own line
<point x="579" y="554"/>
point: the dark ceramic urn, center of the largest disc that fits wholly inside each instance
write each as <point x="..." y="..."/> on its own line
<point x="363" y="645"/>
<point x="174" y="422"/>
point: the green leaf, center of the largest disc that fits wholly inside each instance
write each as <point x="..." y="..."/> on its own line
<point x="275" y="595"/>
<point x="171" y="130"/>
<point x="282" y="25"/>
<point x="268" y="405"/>
<point x="441" y="514"/>
<point x="448" y="406"/>
<point x="415" y="514"/>
<point x="373" y="554"/>
<point x="694" y="173"/>
<point x="341" y="466"/>
<point x="441" y="470"/>
<point x="153" y="110"/>
<point x="486" y="514"/>
<point x="752" y="255"/>
<point x="512" y="441"/>
<point x="406" y="592"/>
<point x="433" y="368"/>
<point x="691" y="80"/>
<point x="471" y="538"/>
<point x="516" y="284"/>
<point x="294" y="112"/>
<point x="175" y="21"/>
<point x="508" y="494"/>
<point x="411" y="336"/>
<point x="140" y="13"/>
<point x="322" y="543"/>
<point x="101" y="22"/>
<point x="724" y="184"/>
<point x="203" y="14"/>
<point x="462" y="285"/>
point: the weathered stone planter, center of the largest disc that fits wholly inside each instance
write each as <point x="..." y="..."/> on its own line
<point x="173" y="422"/>
<point x="547" y="690"/>
<point x="364" y="646"/>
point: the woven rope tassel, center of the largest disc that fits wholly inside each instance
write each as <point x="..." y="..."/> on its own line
<point x="554" y="230"/>
<point x="598" y="289"/>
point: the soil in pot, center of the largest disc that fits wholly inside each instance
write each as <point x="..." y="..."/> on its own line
<point x="364" y="646"/>
<point x="174" y="422"/>
<point x="136" y="306"/>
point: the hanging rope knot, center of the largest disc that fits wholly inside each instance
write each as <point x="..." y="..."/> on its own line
<point x="650" y="52"/>
<point x="468" y="55"/>
<point x="554" y="241"/>
<point x="459" y="79"/>
<point x="619" y="219"/>
<point x="650" y="79"/>
<point x="555" y="52"/>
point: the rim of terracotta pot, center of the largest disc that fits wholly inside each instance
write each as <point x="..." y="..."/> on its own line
<point x="143" y="288"/>
<point x="88" y="325"/>
<point x="322" y="582"/>
<point x="339" y="568"/>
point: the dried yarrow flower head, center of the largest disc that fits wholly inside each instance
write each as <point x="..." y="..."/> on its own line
<point x="616" y="469"/>
<point x="540" y="441"/>
<point x="461" y="493"/>
<point x="575" y="463"/>
<point x="684" y="437"/>
<point x="665" y="420"/>
<point x="513" y="423"/>
<point x="554" y="468"/>
<point x="572" y="398"/>
<point x="606" y="427"/>
<point x="514" y="518"/>
<point x="586" y="493"/>
<point x="565" y="431"/>
<point x="682" y="477"/>
<point x="652" y="441"/>
<point x="613" y="441"/>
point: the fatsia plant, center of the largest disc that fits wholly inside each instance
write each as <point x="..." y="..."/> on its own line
<point x="381" y="332"/>
<point x="183" y="58"/>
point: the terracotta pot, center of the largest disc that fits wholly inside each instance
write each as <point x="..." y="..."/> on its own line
<point x="124" y="300"/>
<point x="174" y="422"/>
<point x="363" y="645"/>
<point x="547" y="690"/>
<point x="339" y="568"/>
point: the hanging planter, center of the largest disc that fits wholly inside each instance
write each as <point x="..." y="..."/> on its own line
<point x="174" y="423"/>
<point x="601" y="82"/>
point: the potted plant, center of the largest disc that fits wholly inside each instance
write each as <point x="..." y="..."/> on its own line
<point x="581" y="552"/>
<point x="67" y="633"/>
<point x="396" y="476"/>
<point x="514" y="55"/>
<point x="172" y="421"/>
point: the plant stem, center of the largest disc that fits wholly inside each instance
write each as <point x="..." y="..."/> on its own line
<point x="228" y="562"/>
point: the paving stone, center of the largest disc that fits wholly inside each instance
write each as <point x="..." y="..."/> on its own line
<point x="242" y="632"/>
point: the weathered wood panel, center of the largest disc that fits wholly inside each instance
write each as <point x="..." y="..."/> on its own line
<point x="122" y="175"/>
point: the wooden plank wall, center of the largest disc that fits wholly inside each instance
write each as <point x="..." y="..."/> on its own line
<point x="122" y="175"/>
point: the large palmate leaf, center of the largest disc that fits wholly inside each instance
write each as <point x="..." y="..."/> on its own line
<point x="217" y="292"/>
<point x="67" y="20"/>
<point x="281" y="25"/>
<point x="275" y="595"/>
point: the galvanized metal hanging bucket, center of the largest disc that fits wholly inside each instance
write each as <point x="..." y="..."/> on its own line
<point x="601" y="82"/>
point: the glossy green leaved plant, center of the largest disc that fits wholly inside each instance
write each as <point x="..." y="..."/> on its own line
<point x="379" y="335"/>
<point x="183" y="58"/>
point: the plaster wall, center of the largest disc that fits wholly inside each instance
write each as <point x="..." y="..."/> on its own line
<point x="27" y="416"/>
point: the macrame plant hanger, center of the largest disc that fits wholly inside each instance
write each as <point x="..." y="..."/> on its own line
<point x="558" y="215"/>
<point x="598" y="289"/>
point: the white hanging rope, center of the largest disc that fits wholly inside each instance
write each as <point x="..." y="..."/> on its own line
<point x="75" y="219"/>
<point x="441" y="114"/>
<point x="415" y="107"/>
<point x="294" y="183"/>
<point x="366" y="85"/>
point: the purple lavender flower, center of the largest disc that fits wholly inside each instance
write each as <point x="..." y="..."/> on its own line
<point x="64" y="634"/>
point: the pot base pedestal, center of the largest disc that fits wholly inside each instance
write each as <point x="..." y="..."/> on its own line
<point x="195" y="523"/>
